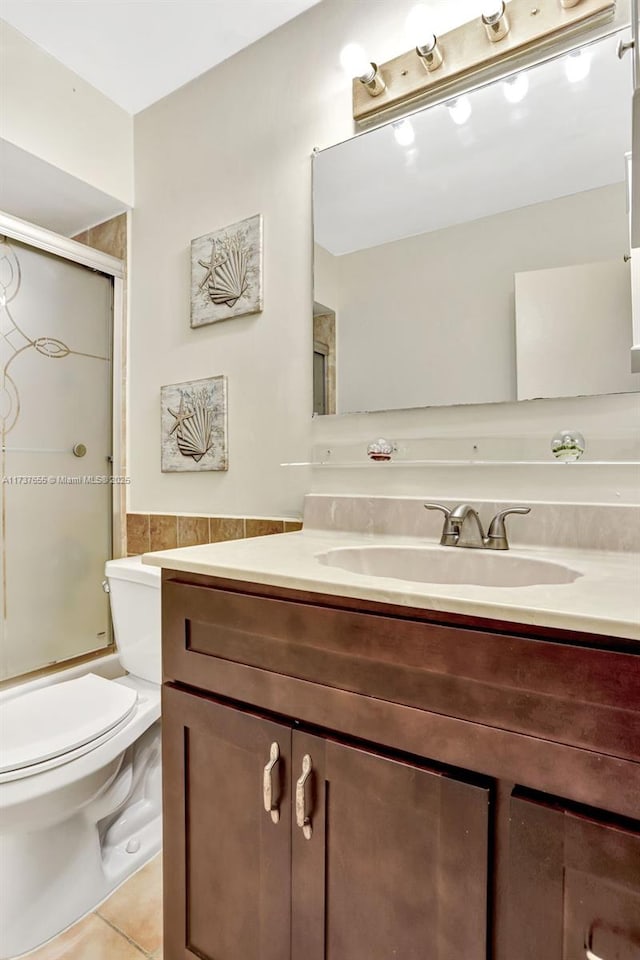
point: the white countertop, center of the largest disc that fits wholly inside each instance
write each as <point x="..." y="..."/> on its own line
<point x="604" y="599"/>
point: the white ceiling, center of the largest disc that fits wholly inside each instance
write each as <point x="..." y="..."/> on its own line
<point x="138" y="51"/>
<point x="563" y="138"/>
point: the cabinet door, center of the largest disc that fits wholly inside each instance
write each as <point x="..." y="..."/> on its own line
<point x="574" y="886"/>
<point x="226" y="862"/>
<point x="394" y="863"/>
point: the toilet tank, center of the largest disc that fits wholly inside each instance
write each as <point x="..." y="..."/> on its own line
<point x="134" y="592"/>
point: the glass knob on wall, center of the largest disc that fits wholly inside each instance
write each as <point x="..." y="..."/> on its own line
<point x="568" y="445"/>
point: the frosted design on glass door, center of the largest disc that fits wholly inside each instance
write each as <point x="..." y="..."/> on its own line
<point x="55" y="524"/>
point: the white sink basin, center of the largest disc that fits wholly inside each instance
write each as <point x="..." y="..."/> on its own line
<point x="455" y="565"/>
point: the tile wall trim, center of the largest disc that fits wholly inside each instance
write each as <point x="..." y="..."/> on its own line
<point x="165" y="531"/>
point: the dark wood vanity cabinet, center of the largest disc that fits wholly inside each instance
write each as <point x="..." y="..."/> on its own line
<point x="396" y="863"/>
<point x="353" y="781"/>
<point x="227" y="866"/>
<point x="574" y="887"/>
<point x="379" y="857"/>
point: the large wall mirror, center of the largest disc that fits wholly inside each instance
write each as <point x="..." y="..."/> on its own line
<point x="477" y="252"/>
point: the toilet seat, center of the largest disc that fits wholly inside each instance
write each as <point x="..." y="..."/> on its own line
<point x="56" y="724"/>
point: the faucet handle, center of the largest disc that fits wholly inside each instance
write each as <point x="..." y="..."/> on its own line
<point x="497" y="535"/>
<point x="438" y="506"/>
<point x="450" y="534"/>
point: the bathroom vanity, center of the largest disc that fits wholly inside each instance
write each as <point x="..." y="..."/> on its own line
<point x="376" y="747"/>
<point x="358" y="779"/>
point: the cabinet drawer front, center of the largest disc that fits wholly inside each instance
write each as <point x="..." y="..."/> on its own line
<point x="226" y="862"/>
<point x="396" y="863"/>
<point x="576" y="695"/>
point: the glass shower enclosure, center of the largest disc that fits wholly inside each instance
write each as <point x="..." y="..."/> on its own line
<point x="57" y="484"/>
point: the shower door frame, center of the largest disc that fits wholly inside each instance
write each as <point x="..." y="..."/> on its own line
<point x="41" y="239"/>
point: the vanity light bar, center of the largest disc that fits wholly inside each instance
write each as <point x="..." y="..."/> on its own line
<point x="501" y="32"/>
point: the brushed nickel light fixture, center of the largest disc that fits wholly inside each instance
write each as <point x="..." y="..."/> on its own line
<point x="502" y="30"/>
<point x="356" y="65"/>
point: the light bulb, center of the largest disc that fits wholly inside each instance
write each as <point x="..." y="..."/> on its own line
<point x="404" y="133"/>
<point x="516" y="88"/>
<point x="491" y="10"/>
<point x="355" y="63"/>
<point x="578" y="65"/>
<point x="460" y="110"/>
<point x="418" y="28"/>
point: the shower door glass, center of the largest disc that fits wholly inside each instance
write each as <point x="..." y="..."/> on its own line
<point x="55" y="395"/>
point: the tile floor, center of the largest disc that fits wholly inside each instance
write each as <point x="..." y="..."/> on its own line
<point x="127" y="926"/>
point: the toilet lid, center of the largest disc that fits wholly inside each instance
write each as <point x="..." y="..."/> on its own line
<point x="57" y="719"/>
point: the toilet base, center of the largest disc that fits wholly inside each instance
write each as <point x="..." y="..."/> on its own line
<point x="50" y="878"/>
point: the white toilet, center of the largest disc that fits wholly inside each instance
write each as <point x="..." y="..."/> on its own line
<point x="80" y="789"/>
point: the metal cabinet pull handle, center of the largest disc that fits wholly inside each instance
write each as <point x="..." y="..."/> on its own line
<point x="269" y="796"/>
<point x="303" y="819"/>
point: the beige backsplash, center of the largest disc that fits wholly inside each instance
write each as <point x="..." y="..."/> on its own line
<point x="570" y="525"/>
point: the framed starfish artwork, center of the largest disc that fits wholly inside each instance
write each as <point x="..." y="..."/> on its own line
<point x="226" y="273"/>
<point x="194" y="425"/>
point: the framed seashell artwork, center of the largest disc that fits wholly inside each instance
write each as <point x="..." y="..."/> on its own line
<point x="194" y="425"/>
<point x="226" y="273"/>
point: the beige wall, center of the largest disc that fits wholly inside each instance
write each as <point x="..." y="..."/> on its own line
<point x="47" y="110"/>
<point x="441" y="306"/>
<point x="235" y="142"/>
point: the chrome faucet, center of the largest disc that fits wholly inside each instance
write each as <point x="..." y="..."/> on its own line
<point x="455" y="521"/>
